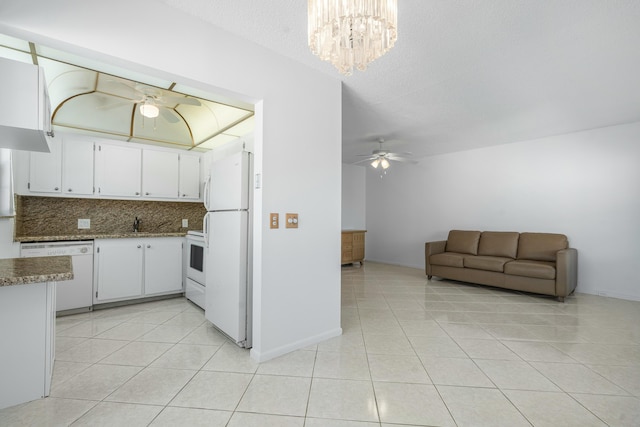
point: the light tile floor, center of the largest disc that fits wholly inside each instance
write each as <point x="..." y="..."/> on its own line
<point x="413" y="352"/>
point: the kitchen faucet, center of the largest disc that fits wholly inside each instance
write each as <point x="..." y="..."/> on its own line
<point x="136" y="225"/>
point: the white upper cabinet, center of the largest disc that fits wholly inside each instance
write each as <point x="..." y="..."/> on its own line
<point x="25" y="109"/>
<point x="81" y="166"/>
<point x="189" y="177"/>
<point x="45" y="169"/>
<point x="118" y="171"/>
<point x="77" y="166"/>
<point x="160" y="174"/>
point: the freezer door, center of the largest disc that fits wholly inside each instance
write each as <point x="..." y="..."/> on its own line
<point x="228" y="185"/>
<point x="226" y="287"/>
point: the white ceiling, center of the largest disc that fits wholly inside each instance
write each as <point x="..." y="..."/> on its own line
<point x="468" y="74"/>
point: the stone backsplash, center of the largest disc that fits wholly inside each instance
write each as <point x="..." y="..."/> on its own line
<point x="46" y="216"/>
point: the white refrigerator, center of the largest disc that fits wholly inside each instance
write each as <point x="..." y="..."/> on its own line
<point x="228" y="290"/>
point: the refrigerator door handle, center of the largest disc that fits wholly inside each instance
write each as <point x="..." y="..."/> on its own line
<point x="207" y="184"/>
<point x="205" y="229"/>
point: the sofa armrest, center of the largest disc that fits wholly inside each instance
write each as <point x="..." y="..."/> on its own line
<point x="566" y="272"/>
<point x="431" y="248"/>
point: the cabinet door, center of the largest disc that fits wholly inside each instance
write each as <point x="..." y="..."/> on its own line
<point x="189" y="177"/>
<point x="162" y="265"/>
<point x="118" y="265"/>
<point x="358" y="246"/>
<point x="77" y="166"/>
<point x="160" y="174"/>
<point x="347" y="248"/>
<point x="118" y="170"/>
<point x="45" y="169"/>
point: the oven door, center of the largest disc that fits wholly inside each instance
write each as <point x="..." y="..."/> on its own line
<point x="195" y="260"/>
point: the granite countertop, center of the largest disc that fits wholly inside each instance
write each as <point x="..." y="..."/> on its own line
<point x="128" y="235"/>
<point x="21" y="271"/>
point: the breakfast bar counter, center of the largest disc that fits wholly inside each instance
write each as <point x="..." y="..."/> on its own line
<point x="21" y="271"/>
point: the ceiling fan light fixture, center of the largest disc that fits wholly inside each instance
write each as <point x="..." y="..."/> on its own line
<point x="375" y="163"/>
<point x="149" y="110"/>
<point x="384" y="163"/>
<point x="352" y="33"/>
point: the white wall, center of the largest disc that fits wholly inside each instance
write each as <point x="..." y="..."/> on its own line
<point x="296" y="272"/>
<point x="585" y="185"/>
<point x="354" y="200"/>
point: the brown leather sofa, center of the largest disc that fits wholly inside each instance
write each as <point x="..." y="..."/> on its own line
<point x="541" y="263"/>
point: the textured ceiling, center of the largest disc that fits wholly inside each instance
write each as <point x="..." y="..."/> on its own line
<point x="468" y="74"/>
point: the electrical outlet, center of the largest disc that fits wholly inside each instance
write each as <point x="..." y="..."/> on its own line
<point x="185" y="223"/>
<point x="84" y="224"/>
<point x="292" y="220"/>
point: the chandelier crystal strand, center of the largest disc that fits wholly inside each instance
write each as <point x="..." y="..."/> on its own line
<point x="352" y="33"/>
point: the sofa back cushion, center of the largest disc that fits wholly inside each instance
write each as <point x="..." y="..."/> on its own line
<point x="541" y="246"/>
<point x="463" y="242"/>
<point x="499" y="243"/>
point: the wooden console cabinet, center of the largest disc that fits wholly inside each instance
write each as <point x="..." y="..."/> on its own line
<point x="353" y="246"/>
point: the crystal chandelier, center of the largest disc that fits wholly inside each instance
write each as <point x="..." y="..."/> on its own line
<point x="352" y="33"/>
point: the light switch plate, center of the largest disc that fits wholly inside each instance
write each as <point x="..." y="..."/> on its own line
<point x="185" y="223"/>
<point x="84" y="224"/>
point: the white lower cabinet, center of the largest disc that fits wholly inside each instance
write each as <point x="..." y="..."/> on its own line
<point x="27" y="316"/>
<point x="118" y="269"/>
<point x="134" y="268"/>
<point x="163" y="265"/>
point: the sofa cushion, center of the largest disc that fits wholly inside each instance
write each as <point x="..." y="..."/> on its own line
<point x="448" y="259"/>
<point x="537" y="269"/>
<point x="490" y="263"/>
<point x="499" y="243"/>
<point x="463" y="242"/>
<point x="541" y="246"/>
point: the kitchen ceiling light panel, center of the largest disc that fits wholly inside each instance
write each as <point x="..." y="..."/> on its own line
<point x="243" y="128"/>
<point x="16" y="55"/>
<point x="217" y="141"/>
<point x="103" y="67"/>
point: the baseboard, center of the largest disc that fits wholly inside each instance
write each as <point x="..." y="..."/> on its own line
<point x="399" y="264"/>
<point x="297" y="345"/>
<point x="616" y="295"/>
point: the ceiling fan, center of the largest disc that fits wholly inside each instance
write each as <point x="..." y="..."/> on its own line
<point x="151" y="101"/>
<point x="381" y="157"/>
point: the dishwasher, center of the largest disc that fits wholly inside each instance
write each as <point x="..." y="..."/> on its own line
<point x="76" y="295"/>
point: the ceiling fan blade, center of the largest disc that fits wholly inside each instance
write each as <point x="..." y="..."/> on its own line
<point x="125" y="90"/>
<point x="169" y="99"/>
<point x="401" y="159"/>
<point x="169" y="115"/>
<point x="365" y="160"/>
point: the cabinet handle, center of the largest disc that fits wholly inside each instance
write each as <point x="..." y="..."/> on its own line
<point x="146" y="194"/>
<point x="184" y="195"/>
<point x="70" y="190"/>
<point x="137" y="193"/>
<point x="56" y="188"/>
<point x="148" y="246"/>
<point x="139" y="246"/>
